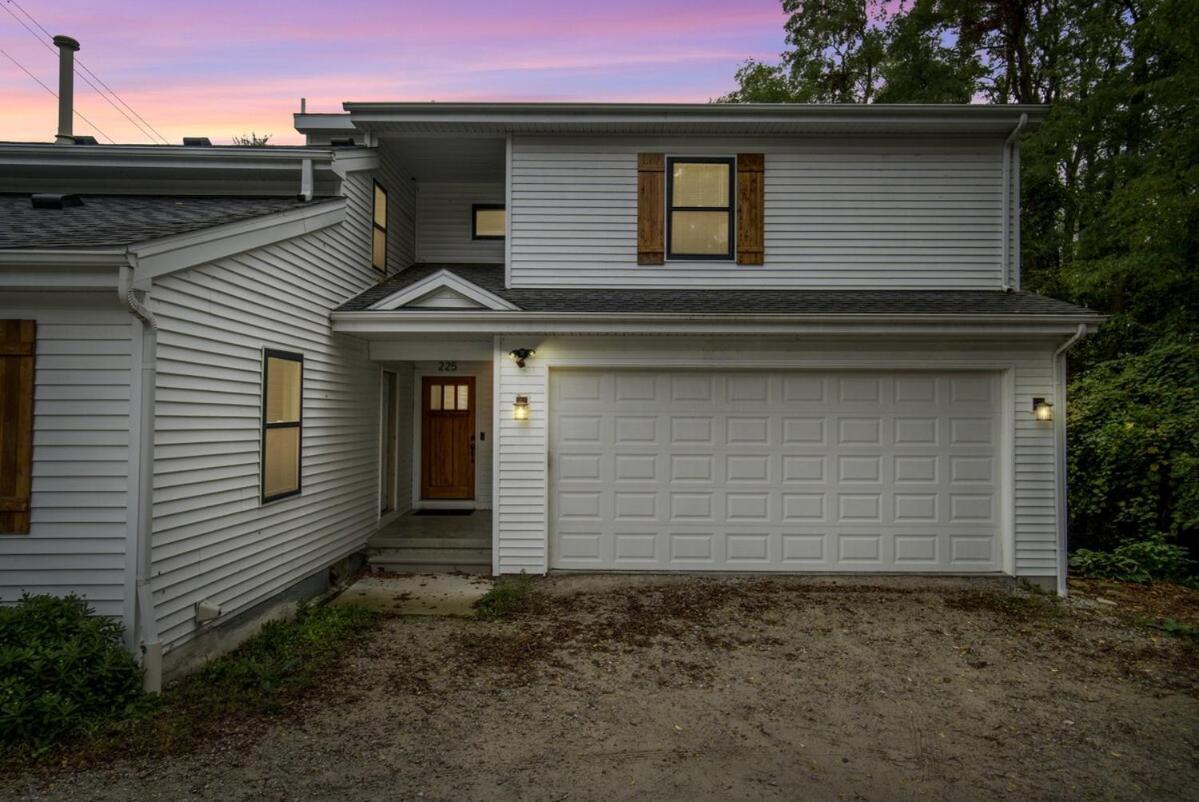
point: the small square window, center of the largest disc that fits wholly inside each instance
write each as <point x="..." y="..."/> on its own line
<point x="487" y="221"/>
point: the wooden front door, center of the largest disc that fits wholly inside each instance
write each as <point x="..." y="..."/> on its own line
<point x="448" y="437"/>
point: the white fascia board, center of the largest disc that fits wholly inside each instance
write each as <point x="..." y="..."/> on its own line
<point x="444" y="279"/>
<point x="60" y="270"/>
<point x="159" y="257"/>
<point x="44" y="154"/>
<point x="355" y="160"/>
<point x="411" y="321"/>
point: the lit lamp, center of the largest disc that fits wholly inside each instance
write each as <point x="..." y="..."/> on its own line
<point x="519" y="355"/>
<point x="1042" y="409"/>
<point x="520" y="409"/>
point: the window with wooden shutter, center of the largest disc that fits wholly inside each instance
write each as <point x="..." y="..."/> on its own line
<point x="651" y="207"/>
<point x="18" y="340"/>
<point x="751" y="186"/>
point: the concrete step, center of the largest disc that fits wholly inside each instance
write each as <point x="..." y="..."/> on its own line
<point x="455" y="543"/>
<point x="431" y="556"/>
<point x="400" y="565"/>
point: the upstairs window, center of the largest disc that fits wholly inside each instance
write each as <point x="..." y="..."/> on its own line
<point x="699" y="203"/>
<point x="282" y="423"/>
<point x="487" y="221"/>
<point x="379" y="241"/>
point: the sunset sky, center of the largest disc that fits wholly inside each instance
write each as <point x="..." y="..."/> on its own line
<point x="218" y="68"/>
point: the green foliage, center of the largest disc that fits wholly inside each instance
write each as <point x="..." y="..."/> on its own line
<point x="511" y="596"/>
<point x="1135" y="561"/>
<point x="284" y="657"/>
<point x="1109" y="203"/>
<point x="63" y="671"/>
<point x="1133" y="428"/>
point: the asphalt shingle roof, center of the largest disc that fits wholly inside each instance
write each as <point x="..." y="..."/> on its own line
<point x="727" y="301"/>
<point x="116" y="220"/>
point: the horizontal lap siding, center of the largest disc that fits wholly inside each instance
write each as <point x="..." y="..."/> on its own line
<point x="895" y="213"/>
<point x="521" y="512"/>
<point x="443" y="222"/>
<point x="213" y="538"/>
<point x="78" y="530"/>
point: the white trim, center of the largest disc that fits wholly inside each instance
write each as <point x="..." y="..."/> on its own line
<point x="443" y="279"/>
<point x="167" y="255"/>
<point x="508" y="210"/>
<point x="355" y="160"/>
<point x="1007" y="467"/>
<point x="496" y="368"/>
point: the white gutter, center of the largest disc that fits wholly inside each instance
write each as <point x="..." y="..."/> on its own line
<point x="1007" y="200"/>
<point x="141" y="469"/>
<point x="1059" y="434"/>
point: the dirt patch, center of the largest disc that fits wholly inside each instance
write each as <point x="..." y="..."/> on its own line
<point x="752" y="688"/>
<point x="1160" y="601"/>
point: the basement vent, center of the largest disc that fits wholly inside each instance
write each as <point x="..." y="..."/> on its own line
<point x="197" y="142"/>
<point x="342" y="141"/>
<point x="83" y="139"/>
<point x="45" y="200"/>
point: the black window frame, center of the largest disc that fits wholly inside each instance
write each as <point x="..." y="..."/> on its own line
<point x="730" y="210"/>
<point x="292" y="356"/>
<point x="377" y="187"/>
<point x="475" y="208"/>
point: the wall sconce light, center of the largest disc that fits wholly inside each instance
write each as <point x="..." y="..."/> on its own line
<point x="520" y="408"/>
<point x="1042" y="409"/>
<point x="519" y="355"/>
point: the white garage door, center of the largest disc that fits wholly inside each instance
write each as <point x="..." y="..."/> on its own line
<point x="741" y="471"/>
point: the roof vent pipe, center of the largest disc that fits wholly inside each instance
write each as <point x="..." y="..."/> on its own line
<point x="66" y="89"/>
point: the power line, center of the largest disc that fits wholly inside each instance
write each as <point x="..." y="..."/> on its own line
<point x="86" y="80"/>
<point x="51" y="91"/>
<point x="111" y="91"/>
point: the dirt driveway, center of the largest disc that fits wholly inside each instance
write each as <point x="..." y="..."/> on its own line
<point x="702" y="688"/>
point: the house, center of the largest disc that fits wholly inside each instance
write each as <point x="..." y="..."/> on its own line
<point x="628" y="337"/>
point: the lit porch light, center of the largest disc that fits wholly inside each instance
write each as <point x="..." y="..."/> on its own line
<point x="519" y="355"/>
<point x="1042" y="409"/>
<point x="520" y="408"/>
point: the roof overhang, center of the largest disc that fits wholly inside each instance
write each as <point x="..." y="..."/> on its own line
<point x="380" y="325"/>
<point x="58" y="269"/>
<point x="381" y="119"/>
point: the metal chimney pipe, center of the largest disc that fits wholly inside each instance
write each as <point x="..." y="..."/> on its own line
<point x="66" y="89"/>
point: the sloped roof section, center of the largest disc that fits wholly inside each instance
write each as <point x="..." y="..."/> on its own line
<point x="727" y="301"/>
<point x="117" y="220"/>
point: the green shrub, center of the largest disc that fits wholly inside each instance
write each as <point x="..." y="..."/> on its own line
<point x="1135" y="561"/>
<point x="63" y="671"/>
<point x="1133" y="428"/>
<point x="511" y="596"/>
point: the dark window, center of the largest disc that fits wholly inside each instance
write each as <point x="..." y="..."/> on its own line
<point x="699" y="202"/>
<point x="487" y="221"/>
<point x="282" y="423"/>
<point x="379" y="235"/>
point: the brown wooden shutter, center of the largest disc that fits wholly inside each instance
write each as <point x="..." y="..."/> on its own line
<point x="751" y="185"/>
<point x="651" y="208"/>
<point x="17" y="341"/>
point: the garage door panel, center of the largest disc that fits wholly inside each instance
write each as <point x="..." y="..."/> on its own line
<point x="775" y="471"/>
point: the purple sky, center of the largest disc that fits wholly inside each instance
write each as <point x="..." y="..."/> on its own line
<point x="217" y="69"/>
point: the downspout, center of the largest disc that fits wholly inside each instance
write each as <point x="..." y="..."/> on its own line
<point x="147" y="620"/>
<point x="1059" y="434"/>
<point x="306" y="180"/>
<point x="1007" y="201"/>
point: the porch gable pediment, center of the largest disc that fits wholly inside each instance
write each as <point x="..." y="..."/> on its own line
<point x="443" y="290"/>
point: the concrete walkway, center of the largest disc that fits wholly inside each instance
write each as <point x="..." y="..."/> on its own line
<point x="418" y="594"/>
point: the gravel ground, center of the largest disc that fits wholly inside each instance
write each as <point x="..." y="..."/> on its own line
<point x="626" y="687"/>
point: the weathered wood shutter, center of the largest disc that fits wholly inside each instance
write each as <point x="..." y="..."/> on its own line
<point x="17" y="342"/>
<point x="751" y="185"/>
<point x="651" y="208"/>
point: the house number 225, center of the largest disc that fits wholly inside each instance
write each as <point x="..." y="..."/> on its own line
<point x="447" y="367"/>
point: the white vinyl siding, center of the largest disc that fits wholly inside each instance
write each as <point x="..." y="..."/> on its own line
<point x="79" y="524"/>
<point x="1027" y="448"/>
<point x="443" y="222"/>
<point x="213" y="537"/>
<point x="352" y="239"/>
<point x="860" y="212"/>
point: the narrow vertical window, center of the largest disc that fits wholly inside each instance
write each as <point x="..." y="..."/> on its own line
<point x="379" y="226"/>
<point x="282" y="419"/>
<point x="699" y="199"/>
